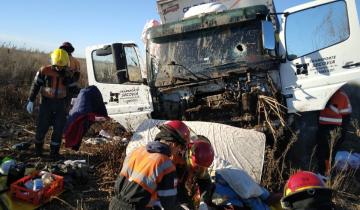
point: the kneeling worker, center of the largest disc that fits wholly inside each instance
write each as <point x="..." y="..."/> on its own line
<point x="149" y="174"/>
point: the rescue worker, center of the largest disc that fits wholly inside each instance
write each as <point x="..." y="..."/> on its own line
<point x="335" y="116"/>
<point x="52" y="83"/>
<point x="149" y="173"/>
<point x="306" y="191"/>
<point x="74" y="67"/>
<point x="193" y="176"/>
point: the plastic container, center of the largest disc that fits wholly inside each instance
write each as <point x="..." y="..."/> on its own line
<point x="19" y="191"/>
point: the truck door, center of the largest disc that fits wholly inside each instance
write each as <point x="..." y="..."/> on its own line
<point x="320" y="46"/>
<point x="116" y="70"/>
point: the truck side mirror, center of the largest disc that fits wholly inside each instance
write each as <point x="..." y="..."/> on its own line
<point x="119" y="57"/>
<point x="268" y="37"/>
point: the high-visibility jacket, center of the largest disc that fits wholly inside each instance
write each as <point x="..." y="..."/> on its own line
<point x="145" y="178"/>
<point x="50" y="82"/>
<point x="338" y="107"/>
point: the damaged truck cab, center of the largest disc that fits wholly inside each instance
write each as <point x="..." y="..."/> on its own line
<point x="228" y="65"/>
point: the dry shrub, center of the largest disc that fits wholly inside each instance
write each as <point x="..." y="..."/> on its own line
<point x="18" y="66"/>
<point x="13" y="98"/>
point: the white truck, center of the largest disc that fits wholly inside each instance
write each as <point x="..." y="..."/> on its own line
<point x="223" y="66"/>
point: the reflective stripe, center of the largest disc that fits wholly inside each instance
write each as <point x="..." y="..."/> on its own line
<point x="149" y="181"/>
<point x="146" y="169"/>
<point x="334" y="109"/>
<point x="73" y="84"/>
<point x="164" y="193"/>
<point x="346" y="111"/>
<point x="327" y="119"/>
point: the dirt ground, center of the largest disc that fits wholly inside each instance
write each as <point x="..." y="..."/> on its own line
<point x="104" y="162"/>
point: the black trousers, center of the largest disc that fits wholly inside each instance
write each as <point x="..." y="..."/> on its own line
<point x="324" y="143"/>
<point x="51" y="113"/>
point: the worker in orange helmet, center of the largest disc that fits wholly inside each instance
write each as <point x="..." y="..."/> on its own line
<point x="193" y="176"/>
<point x="335" y="116"/>
<point x="306" y="191"/>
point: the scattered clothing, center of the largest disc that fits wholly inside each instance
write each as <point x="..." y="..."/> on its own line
<point x="345" y="160"/>
<point x="88" y="105"/>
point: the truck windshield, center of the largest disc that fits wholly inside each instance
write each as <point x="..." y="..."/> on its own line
<point x="206" y="53"/>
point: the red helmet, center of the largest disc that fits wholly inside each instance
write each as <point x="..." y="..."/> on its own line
<point x="201" y="153"/>
<point x="178" y="129"/>
<point x="302" y="180"/>
<point x="306" y="190"/>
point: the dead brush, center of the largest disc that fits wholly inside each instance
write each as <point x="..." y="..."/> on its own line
<point x="13" y="98"/>
<point x="109" y="158"/>
<point x="274" y="165"/>
<point x="344" y="182"/>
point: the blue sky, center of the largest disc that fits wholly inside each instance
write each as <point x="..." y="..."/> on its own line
<point x="45" y="24"/>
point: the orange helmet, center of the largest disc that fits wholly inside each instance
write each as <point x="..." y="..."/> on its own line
<point x="201" y="153"/>
<point x="178" y="129"/>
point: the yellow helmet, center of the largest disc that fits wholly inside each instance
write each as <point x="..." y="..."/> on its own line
<point x="60" y="58"/>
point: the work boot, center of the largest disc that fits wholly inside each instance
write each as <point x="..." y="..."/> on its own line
<point x="39" y="150"/>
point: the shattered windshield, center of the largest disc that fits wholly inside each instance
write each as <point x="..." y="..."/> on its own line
<point x="203" y="54"/>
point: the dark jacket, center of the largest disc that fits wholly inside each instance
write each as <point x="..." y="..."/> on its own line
<point x="88" y="105"/>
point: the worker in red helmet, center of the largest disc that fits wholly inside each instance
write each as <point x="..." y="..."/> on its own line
<point x="193" y="176"/>
<point x="305" y="190"/>
<point x="148" y="174"/>
<point x="74" y="73"/>
<point x="335" y="117"/>
<point x="176" y="129"/>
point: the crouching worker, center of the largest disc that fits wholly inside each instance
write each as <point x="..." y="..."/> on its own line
<point x="149" y="174"/>
<point x="194" y="177"/>
<point x="306" y="191"/>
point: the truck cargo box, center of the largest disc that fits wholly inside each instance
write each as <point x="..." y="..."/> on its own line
<point x="174" y="10"/>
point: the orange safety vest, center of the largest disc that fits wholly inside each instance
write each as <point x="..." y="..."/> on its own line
<point x="53" y="85"/>
<point x="338" y="106"/>
<point x="147" y="170"/>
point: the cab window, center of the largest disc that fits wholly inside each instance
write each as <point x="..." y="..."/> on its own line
<point x="119" y="71"/>
<point x="133" y="64"/>
<point x="104" y="68"/>
<point x="316" y="28"/>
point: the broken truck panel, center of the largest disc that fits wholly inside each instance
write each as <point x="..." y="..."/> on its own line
<point x="237" y="147"/>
